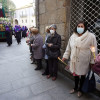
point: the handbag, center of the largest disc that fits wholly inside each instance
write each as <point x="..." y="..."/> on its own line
<point x="89" y="84"/>
<point x="53" y="54"/>
<point x="96" y="67"/>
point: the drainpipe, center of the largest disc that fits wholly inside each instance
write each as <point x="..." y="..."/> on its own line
<point x="37" y="13"/>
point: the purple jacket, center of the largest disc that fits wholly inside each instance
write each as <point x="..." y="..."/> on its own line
<point x="17" y="28"/>
<point x="7" y="28"/>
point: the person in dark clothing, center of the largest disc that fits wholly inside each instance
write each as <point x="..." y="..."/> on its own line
<point x="53" y="51"/>
<point x="18" y="37"/>
<point x="8" y="33"/>
<point x="18" y="33"/>
<point x="46" y="72"/>
<point x="24" y="30"/>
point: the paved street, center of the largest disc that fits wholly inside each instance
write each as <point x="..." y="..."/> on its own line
<point x="19" y="80"/>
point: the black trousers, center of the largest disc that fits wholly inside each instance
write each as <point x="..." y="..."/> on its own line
<point x="47" y="67"/>
<point x="39" y="63"/>
<point x="18" y="37"/>
<point x="53" y="66"/>
<point x="79" y="80"/>
<point x="33" y="59"/>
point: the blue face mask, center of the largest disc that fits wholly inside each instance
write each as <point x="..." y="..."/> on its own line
<point x="80" y="30"/>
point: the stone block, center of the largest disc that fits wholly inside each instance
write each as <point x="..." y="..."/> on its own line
<point x="61" y="3"/>
<point x="51" y="17"/>
<point x="5" y="88"/>
<point x="42" y="29"/>
<point x="42" y="86"/>
<point x="42" y="7"/>
<point x="43" y="96"/>
<point x="43" y="19"/>
<point x="26" y="82"/>
<point x="61" y="28"/>
<point x="40" y="1"/>
<point x="63" y="45"/>
<point x="20" y="94"/>
<point x="50" y="5"/>
<point x="61" y="15"/>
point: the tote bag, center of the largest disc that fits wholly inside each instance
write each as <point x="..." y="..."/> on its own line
<point x="89" y="83"/>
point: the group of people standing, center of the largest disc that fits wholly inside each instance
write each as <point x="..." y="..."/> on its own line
<point x="17" y="31"/>
<point x="78" y="51"/>
<point x="50" y="50"/>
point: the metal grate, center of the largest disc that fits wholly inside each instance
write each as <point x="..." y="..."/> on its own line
<point x="89" y="11"/>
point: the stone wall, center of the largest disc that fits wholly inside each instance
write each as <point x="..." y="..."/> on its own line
<point x="54" y="12"/>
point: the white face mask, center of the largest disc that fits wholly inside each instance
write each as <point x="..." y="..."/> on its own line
<point x="52" y="31"/>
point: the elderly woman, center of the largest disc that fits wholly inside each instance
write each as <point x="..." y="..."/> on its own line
<point x="81" y="58"/>
<point x="46" y="72"/>
<point x="30" y="41"/>
<point x="37" y="47"/>
<point x="53" y="51"/>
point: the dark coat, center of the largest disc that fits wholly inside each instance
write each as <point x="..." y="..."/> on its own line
<point x="37" y="47"/>
<point x="18" y="37"/>
<point x="9" y="37"/>
<point x="54" y="50"/>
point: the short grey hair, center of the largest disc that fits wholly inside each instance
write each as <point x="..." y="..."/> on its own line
<point x="53" y="26"/>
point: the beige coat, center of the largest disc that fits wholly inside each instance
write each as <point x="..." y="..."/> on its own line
<point x="78" y="49"/>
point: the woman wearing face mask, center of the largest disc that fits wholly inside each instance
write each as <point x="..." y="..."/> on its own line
<point x="81" y="58"/>
<point x="53" y="51"/>
<point x="46" y="72"/>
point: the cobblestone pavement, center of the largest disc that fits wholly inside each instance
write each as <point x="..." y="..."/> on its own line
<point x="19" y="80"/>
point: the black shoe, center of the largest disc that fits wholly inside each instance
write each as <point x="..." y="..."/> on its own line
<point x="32" y="63"/>
<point x="38" y="68"/>
<point x="44" y="74"/>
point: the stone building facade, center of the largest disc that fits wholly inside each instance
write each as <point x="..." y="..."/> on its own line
<point x="65" y="14"/>
<point x="26" y="15"/>
<point x="54" y="12"/>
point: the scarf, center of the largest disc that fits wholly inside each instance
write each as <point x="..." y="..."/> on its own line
<point x="77" y="46"/>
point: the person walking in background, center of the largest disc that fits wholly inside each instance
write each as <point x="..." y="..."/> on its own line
<point x="53" y="44"/>
<point x="37" y="48"/>
<point x="46" y="72"/>
<point x="81" y="58"/>
<point x="17" y="30"/>
<point x="8" y="32"/>
<point x="26" y="31"/>
<point x="23" y="31"/>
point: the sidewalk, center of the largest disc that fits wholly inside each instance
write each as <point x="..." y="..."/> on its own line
<point x="19" y="80"/>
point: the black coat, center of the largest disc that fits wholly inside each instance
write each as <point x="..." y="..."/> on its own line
<point x="54" y="50"/>
<point x="9" y="37"/>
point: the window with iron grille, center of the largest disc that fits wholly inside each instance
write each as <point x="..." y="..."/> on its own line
<point x="89" y="11"/>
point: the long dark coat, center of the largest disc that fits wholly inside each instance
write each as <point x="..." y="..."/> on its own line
<point x="9" y="37"/>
